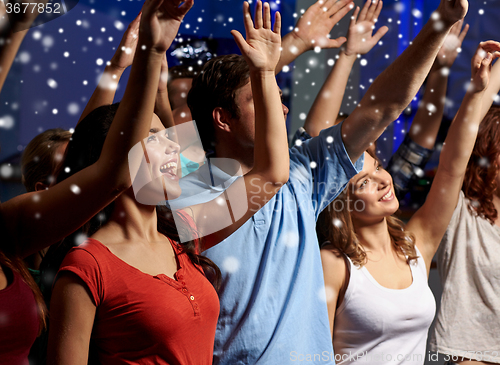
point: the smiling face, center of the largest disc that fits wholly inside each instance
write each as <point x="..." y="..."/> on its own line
<point x="162" y="155"/>
<point x="372" y="193"/>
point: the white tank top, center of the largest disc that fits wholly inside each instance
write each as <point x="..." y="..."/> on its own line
<point x="378" y="325"/>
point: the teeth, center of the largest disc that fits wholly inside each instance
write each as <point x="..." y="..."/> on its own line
<point x="168" y="166"/>
<point x="386" y="196"/>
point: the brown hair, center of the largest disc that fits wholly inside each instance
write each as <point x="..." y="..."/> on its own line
<point x="480" y="177"/>
<point x="39" y="162"/>
<point x="214" y="87"/>
<point x="337" y="227"/>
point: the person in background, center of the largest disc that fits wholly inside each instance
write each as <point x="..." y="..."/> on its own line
<point x="271" y="265"/>
<point x="51" y="214"/>
<point x="40" y="164"/>
<point x="409" y="161"/>
<point x="88" y="299"/>
<point x="375" y="268"/>
<point x="467" y="258"/>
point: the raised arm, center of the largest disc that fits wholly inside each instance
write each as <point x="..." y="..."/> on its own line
<point x="409" y="161"/>
<point x="425" y="125"/>
<point x="313" y="30"/>
<point x="360" y="40"/>
<point x="429" y="223"/>
<point x="492" y="90"/>
<point x="393" y="90"/>
<point x="55" y="213"/>
<point x="261" y="50"/>
<point x="104" y="94"/>
<point x="162" y="106"/>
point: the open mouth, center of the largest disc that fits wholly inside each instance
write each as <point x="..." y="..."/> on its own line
<point x="387" y="197"/>
<point x="169" y="170"/>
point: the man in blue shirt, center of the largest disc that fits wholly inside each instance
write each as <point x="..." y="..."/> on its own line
<point x="273" y="299"/>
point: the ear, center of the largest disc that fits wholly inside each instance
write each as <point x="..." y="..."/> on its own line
<point x="41" y="186"/>
<point x="222" y="119"/>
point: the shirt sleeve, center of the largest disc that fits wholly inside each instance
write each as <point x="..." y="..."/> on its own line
<point x="407" y="165"/>
<point x="321" y="166"/>
<point x="83" y="264"/>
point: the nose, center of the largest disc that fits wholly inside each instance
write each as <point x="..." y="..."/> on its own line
<point x="171" y="147"/>
<point x="285" y="110"/>
<point x="384" y="179"/>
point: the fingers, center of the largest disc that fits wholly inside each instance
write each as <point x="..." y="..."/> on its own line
<point x="364" y="11"/>
<point x="267" y="16"/>
<point x="490" y="46"/>
<point x="380" y="33"/>
<point x="240" y="41"/>
<point x="371" y="10"/>
<point x="484" y="67"/>
<point x="247" y="18"/>
<point x="462" y="35"/>
<point x="354" y="16"/>
<point x="151" y="7"/>
<point x="184" y="8"/>
<point x="135" y="23"/>
<point x="336" y="43"/>
<point x="340" y="9"/>
<point x="332" y="5"/>
<point x="457" y="27"/>
<point x="258" y="15"/>
<point x="277" y="23"/>
<point x="376" y="14"/>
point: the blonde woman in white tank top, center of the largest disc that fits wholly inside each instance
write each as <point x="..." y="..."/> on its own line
<point x="379" y="303"/>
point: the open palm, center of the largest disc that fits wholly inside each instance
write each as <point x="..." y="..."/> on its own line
<point x="314" y="27"/>
<point x="261" y="49"/>
<point x="360" y="39"/>
<point x="163" y="18"/>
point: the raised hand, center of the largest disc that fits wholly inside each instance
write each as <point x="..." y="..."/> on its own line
<point x="315" y="25"/>
<point x="124" y="55"/>
<point x="261" y="49"/>
<point x="360" y="38"/>
<point x="485" y="54"/>
<point x="451" y="11"/>
<point x="449" y="50"/>
<point x="160" y="22"/>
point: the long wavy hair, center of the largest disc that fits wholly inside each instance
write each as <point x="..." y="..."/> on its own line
<point x="336" y="226"/>
<point x="83" y="150"/>
<point x="480" y="177"/>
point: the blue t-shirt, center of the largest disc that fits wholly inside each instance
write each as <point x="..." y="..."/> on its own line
<point x="272" y="299"/>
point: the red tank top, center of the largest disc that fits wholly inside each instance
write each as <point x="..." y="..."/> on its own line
<point x="19" y="322"/>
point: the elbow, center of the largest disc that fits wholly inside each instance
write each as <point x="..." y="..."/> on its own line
<point x="277" y="178"/>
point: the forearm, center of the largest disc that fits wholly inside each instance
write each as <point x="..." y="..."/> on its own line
<point x="462" y="135"/>
<point x="425" y="126"/>
<point x="291" y="48"/>
<point x="392" y="91"/>
<point x="11" y="41"/>
<point x="271" y="145"/>
<point x="104" y="94"/>
<point x="327" y="104"/>
<point x="132" y="120"/>
<point x="164" y="110"/>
